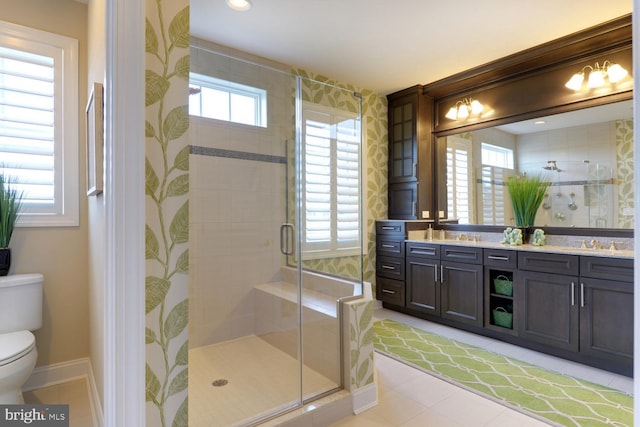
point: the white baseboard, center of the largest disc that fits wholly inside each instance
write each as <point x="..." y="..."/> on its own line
<point x="49" y="375"/>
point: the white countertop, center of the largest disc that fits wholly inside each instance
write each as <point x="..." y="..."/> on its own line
<point x="618" y="253"/>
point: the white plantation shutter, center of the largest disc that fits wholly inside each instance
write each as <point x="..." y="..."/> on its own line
<point x="459" y="179"/>
<point x="331" y="181"/>
<point x="493" y="192"/>
<point x="38" y="123"/>
<point x="27" y="131"/>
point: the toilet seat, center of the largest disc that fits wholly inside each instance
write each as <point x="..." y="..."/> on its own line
<point x="15" y="345"/>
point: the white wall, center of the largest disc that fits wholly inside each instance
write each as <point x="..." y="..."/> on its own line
<point x="236" y="206"/>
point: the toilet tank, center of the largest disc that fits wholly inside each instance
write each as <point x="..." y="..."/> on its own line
<point x="20" y="302"/>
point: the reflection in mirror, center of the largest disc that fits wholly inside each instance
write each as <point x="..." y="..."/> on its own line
<point x="587" y="155"/>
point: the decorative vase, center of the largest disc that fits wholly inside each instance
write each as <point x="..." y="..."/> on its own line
<point x="5" y="261"/>
<point x="526" y="233"/>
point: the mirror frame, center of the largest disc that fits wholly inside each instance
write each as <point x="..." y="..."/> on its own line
<point x="530" y="84"/>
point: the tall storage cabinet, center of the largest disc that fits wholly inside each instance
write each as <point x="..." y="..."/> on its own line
<point x="410" y="154"/>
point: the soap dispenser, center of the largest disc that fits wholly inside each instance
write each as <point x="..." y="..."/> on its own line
<point x="430" y="233"/>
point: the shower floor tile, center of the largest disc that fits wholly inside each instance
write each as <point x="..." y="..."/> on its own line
<point x="260" y="378"/>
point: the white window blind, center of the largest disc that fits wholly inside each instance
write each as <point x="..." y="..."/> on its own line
<point x="38" y="123"/>
<point x="331" y="182"/>
<point x="459" y="180"/>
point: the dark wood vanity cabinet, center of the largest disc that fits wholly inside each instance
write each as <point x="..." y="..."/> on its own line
<point x="410" y="154"/>
<point x="579" y="307"/>
<point x="445" y="281"/>
<point x="423" y="278"/>
<point x="500" y="268"/>
<point x="606" y="310"/>
<point x="546" y="299"/>
<point x="390" y="259"/>
<point x="581" y="304"/>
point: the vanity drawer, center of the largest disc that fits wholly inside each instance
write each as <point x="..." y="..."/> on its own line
<point x="390" y="227"/>
<point x="500" y="258"/>
<point x="620" y="269"/>
<point x="549" y="263"/>
<point x="422" y="250"/>
<point x="389" y="246"/>
<point x="391" y="268"/>
<point x="466" y="254"/>
<point x="390" y="291"/>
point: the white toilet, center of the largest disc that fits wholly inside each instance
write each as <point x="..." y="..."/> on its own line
<point x="20" y="313"/>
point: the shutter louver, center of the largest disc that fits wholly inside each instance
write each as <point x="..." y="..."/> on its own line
<point x="331" y="181"/>
<point x="27" y="134"/>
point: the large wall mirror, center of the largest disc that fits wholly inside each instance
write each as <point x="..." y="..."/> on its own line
<point x="586" y="155"/>
<point x="579" y="139"/>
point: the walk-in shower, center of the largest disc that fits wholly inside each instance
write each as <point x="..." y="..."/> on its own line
<point x="275" y="211"/>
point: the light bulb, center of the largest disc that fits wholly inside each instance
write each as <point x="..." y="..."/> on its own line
<point x="476" y="107"/>
<point x="463" y="112"/>
<point x="616" y="73"/>
<point x="239" y="5"/>
<point x="575" y="83"/>
<point x="452" y="114"/>
<point x="596" y="79"/>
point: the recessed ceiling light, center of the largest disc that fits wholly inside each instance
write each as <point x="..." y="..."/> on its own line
<point x="239" y="5"/>
<point x="539" y="122"/>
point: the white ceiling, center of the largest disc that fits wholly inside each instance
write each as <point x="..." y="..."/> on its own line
<point x="388" y="45"/>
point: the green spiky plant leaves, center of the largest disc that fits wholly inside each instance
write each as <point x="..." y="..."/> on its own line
<point x="10" y="204"/>
<point x="527" y="193"/>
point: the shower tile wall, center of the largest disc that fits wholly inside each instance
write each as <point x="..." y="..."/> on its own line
<point x="595" y="143"/>
<point x="237" y="205"/>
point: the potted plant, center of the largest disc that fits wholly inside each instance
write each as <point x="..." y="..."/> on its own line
<point x="10" y="204"/>
<point x="526" y="193"/>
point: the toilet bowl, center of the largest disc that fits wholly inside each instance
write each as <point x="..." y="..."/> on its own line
<point x="20" y="313"/>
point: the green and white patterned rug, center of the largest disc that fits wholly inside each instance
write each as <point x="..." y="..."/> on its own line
<point x="547" y="395"/>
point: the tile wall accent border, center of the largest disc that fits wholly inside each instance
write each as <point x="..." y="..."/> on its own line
<point x="233" y="154"/>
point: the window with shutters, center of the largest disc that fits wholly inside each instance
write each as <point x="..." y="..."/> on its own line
<point x="39" y="123"/>
<point x="332" y="182"/>
<point x="497" y="164"/>
<point x="459" y="179"/>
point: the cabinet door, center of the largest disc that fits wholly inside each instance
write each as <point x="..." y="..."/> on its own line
<point x="403" y="148"/>
<point x="422" y="287"/>
<point x="461" y="292"/>
<point x="403" y="201"/>
<point x="548" y="309"/>
<point x="606" y="320"/>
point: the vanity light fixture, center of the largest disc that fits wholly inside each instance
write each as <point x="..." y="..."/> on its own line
<point x="239" y="5"/>
<point x="598" y="75"/>
<point x="463" y="109"/>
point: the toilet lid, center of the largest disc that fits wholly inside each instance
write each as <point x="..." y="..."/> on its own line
<point x="14" y="345"/>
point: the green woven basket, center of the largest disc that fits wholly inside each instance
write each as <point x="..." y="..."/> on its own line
<point x="503" y="285"/>
<point x="501" y="317"/>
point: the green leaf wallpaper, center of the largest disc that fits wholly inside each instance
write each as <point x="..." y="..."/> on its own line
<point x="624" y="159"/>
<point x="167" y="212"/>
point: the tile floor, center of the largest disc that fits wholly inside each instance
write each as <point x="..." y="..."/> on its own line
<point x="75" y="393"/>
<point x="407" y="397"/>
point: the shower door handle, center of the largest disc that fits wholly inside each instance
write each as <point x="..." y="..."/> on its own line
<point x="286" y="239"/>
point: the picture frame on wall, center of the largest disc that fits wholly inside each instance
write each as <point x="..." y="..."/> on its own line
<point x="95" y="140"/>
